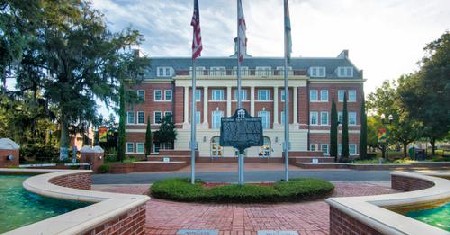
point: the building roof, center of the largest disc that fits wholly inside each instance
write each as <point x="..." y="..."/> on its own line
<point x="331" y="64"/>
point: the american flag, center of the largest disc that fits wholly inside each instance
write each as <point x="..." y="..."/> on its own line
<point x="196" y="37"/>
<point x="241" y="33"/>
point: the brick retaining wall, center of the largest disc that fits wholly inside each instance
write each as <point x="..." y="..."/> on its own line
<point x="405" y="183"/>
<point x="131" y="222"/>
<point x="76" y="181"/>
<point x="342" y="223"/>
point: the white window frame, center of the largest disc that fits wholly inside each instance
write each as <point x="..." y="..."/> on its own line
<point x="216" y="119"/>
<point x="155" y="96"/>
<point x="140" y="95"/>
<point x="317" y="71"/>
<point x="345" y="71"/>
<point x="137" y="117"/>
<point x="130" y="144"/>
<point x="263" y="71"/>
<point x="353" y="149"/>
<point x="218" y="92"/>
<point x="327" y="152"/>
<point x="168" y="95"/>
<point x="341" y="95"/>
<point x="217" y="71"/>
<point x="160" y="119"/>
<point x="243" y="94"/>
<point x="282" y="95"/>
<point x="313" y="95"/>
<point x="164" y="71"/>
<point x="266" y="93"/>
<point x="322" y="115"/>
<point x="265" y="118"/>
<point x="280" y="70"/>
<point x="244" y="71"/>
<point x="128" y="117"/>
<point x="351" y="96"/>
<point x="352" y="121"/>
<point x="140" y="148"/>
<point x="313" y="114"/>
<point x="324" y="95"/>
<point x="200" y="70"/>
<point x="198" y="95"/>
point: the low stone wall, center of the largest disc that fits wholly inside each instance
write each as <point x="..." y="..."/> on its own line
<point x="111" y="213"/>
<point x="368" y="215"/>
<point x="150" y="166"/>
<point x="81" y="181"/>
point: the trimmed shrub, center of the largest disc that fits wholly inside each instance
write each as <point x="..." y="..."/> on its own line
<point x="104" y="168"/>
<point x="291" y="191"/>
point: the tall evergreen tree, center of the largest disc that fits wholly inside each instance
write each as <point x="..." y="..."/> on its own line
<point x="334" y="132"/>
<point x="363" y="130"/>
<point x="345" y="139"/>
<point x="148" y="138"/>
<point x="121" y="142"/>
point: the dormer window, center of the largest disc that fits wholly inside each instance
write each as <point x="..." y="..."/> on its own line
<point x="200" y="70"/>
<point x="345" y="72"/>
<point x="317" y="71"/>
<point x="217" y="71"/>
<point x="263" y="71"/>
<point x="164" y="71"/>
<point x="280" y="70"/>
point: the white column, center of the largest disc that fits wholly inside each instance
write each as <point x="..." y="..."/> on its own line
<point x="275" y="106"/>
<point x="186" y="104"/>
<point x="205" y="105"/>
<point x="228" y="101"/>
<point x="252" y="101"/>
<point x="295" y="104"/>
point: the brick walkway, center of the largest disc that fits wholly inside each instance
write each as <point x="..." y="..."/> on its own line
<point x="167" y="217"/>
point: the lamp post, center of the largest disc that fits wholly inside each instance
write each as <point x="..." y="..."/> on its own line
<point x="382" y="133"/>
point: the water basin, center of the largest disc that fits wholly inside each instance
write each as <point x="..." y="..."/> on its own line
<point x="438" y="216"/>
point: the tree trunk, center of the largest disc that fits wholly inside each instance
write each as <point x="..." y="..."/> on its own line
<point x="432" y="142"/>
<point x="405" y="145"/>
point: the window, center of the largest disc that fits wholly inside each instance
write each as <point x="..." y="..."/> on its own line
<point x="140" y="117"/>
<point x="168" y="114"/>
<point x="243" y="94"/>
<point x="198" y="95"/>
<point x="325" y="149"/>
<point x="324" y="118"/>
<point x="130" y="147"/>
<point x="130" y="118"/>
<point x="345" y="71"/>
<point x="168" y="95"/>
<point x="263" y="71"/>
<point x="283" y="96"/>
<point x="317" y="71"/>
<point x="283" y="117"/>
<point x="265" y="118"/>
<point x="339" y="150"/>
<point x="140" y="95"/>
<point x="313" y="95"/>
<point x="139" y="147"/>
<point x="340" y="117"/>
<point x="157" y="117"/>
<point x="159" y="146"/>
<point x="352" y="149"/>
<point x="341" y="95"/>
<point x="352" y="118"/>
<point x="217" y="71"/>
<point x="157" y="95"/>
<point x="216" y="118"/>
<point x="280" y="70"/>
<point x="313" y="118"/>
<point x="200" y="70"/>
<point x="312" y="147"/>
<point x="164" y="71"/>
<point x="197" y="117"/>
<point x="352" y="96"/>
<point x="217" y="95"/>
<point x="323" y="95"/>
<point x="244" y="70"/>
<point x="263" y="95"/>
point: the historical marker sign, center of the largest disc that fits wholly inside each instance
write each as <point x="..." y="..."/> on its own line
<point x="241" y="131"/>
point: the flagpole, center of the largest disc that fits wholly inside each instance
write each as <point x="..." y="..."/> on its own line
<point x="239" y="100"/>
<point x="193" y="122"/>
<point x="286" y="93"/>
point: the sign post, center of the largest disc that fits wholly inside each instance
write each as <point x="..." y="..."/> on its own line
<point x="241" y="131"/>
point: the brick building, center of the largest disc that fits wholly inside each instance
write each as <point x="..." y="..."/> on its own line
<point x="313" y="83"/>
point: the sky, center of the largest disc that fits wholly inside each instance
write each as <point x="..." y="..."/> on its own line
<point x="385" y="38"/>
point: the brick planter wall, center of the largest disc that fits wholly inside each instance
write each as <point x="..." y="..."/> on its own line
<point x="131" y="222"/>
<point x="76" y="181"/>
<point x="409" y="184"/>
<point x="5" y="162"/>
<point x="342" y="223"/>
<point x="158" y="166"/>
<point x="121" y="167"/>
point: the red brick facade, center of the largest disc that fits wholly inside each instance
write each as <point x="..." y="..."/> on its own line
<point x="76" y="181"/>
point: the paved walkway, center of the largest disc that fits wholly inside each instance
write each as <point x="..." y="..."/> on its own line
<point x="305" y="218"/>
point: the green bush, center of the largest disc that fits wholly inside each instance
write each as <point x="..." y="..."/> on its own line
<point x="104" y="168"/>
<point x="39" y="153"/>
<point x="292" y="191"/>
